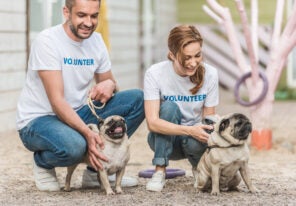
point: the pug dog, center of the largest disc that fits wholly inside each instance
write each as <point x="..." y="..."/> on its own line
<point x="226" y="159"/>
<point x="112" y="130"/>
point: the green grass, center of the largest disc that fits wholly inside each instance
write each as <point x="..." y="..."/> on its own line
<point x="190" y="11"/>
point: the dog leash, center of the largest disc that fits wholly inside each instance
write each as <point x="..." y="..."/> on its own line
<point x="92" y="108"/>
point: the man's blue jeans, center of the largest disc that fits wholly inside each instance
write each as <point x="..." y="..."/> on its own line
<point x="55" y="144"/>
<point x="168" y="147"/>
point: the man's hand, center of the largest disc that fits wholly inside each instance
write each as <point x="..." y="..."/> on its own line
<point x="93" y="139"/>
<point x="102" y="91"/>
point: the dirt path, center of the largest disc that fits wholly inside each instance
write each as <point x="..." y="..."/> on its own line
<point x="273" y="172"/>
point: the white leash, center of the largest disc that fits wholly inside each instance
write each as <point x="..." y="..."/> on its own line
<point x="92" y="108"/>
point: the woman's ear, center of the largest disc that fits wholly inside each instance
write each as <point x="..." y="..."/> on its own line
<point x="172" y="56"/>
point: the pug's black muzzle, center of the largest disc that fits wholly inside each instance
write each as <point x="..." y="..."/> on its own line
<point x="116" y="130"/>
<point x="245" y="130"/>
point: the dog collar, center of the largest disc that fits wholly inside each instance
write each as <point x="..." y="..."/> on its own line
<point x="216" y="146"/>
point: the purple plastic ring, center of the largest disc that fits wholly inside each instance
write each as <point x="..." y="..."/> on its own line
<point x="169" y="174"/>
<point x="259" y="98"/>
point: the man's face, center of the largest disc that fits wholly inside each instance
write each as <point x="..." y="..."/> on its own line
<point x="82" y="20"/>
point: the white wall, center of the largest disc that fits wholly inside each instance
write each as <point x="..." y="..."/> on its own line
<point x="165" y="20"/>
<point x="126" y="21"/>
<point x="124" y="39"/>
<point x="12" y="58"/>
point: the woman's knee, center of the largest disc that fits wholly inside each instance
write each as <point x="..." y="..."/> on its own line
<point x="193" y="147"/>
<point x="170" y="111"/>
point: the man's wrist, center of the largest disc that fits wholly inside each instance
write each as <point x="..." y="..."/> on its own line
<point x="115" y="87"/>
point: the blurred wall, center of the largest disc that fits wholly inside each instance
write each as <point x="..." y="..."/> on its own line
<point x="138" y="36"/>
<point x="12" y="58"/>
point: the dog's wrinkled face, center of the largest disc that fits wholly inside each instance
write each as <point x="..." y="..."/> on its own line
<point x="237" y="125"/>
<point x="114" y="128"/>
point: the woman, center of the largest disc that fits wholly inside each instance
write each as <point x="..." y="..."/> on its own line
<point x="178" y="93"/>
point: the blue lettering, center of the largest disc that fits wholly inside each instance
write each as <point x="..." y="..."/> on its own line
<point x="186" y="98"/>
<point x="180" y="98"/>
<point x="78" y="62"/>
<point x="172" y="98"/>
<point x="67" y="61"/>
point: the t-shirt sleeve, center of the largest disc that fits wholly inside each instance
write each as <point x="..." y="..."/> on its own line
<point x="43" y="54"/>
<point x="212" y="98"/>
<point x="151" y="87"/>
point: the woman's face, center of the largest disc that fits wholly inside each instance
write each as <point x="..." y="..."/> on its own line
<point x="193" y="57"/>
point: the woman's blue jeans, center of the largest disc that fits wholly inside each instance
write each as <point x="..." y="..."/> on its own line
<point x="167" y="147"/>
<point x="55" y="144"/>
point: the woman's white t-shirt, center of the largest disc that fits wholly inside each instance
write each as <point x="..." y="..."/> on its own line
<point x="78" y="61"/>
<point x="161" y="82"/>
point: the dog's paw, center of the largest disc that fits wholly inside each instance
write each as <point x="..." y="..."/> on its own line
<point x="119" y="190"/>
<point x="254" y="190"/>
<point x="215" y="193"/>
<point x="110" y="192"/>
<point x="67" y="189"/>
<point x="198" y="190"/>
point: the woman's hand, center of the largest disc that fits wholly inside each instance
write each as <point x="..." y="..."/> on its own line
<point x="199" y="132"/>
<point x="94" y="156"/>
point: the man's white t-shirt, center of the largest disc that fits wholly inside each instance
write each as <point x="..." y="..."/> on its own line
<point x="162" y="83"/>
<point x="53" y="49"/>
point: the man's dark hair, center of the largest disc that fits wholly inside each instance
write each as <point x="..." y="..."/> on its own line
<point x="70" y="3"/>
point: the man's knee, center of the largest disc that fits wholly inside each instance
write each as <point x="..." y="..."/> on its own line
<point x="74" y="153"/>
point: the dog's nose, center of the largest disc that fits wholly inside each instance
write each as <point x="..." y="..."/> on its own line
<point x="249" y="127"/>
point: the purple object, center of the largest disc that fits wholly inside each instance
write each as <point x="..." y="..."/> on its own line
<point x="259" y="98"/>
<point x="170" y="173"/>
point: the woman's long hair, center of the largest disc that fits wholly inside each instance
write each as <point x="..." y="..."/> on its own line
<point x="179" y="38"/>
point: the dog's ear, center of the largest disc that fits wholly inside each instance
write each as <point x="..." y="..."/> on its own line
<point x="223" y="125"/>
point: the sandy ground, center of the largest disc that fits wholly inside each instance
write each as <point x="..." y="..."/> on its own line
<point x="273" y="172"/>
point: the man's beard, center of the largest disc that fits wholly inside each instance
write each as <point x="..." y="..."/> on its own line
<point x="75" y="31"/>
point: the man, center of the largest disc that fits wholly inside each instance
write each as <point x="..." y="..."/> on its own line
<point x="52" y="114"/>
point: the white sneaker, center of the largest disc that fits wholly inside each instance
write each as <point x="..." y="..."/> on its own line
<point x="89" y="179"/>
<point x="45" y="179"/>
<point x="125" y="182"/>
<point x="157" y="182"/>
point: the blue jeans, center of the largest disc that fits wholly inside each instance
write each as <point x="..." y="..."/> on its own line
<point x="55" y="144"/>
<point x="167" y="147"/>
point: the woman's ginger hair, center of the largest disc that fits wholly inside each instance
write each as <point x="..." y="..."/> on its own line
<point x="178" y="39"/>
